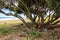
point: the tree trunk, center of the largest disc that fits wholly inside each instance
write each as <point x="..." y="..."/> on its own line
<point x="22" y="20"/>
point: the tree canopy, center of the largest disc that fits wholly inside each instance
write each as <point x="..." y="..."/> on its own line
<point x="38" y="8"/>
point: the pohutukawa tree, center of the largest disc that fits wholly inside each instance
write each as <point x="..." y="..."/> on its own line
<point x="38" y="8"/>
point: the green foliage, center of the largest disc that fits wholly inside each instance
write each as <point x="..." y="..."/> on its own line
<point x="33" y="33"/>
<point x="6" y="31"/>
<point x="52" y="4"/>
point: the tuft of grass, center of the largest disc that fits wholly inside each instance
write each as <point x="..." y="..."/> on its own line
<point x="6" y="31"/>
<point x="34" y="33"/>
<point x="6" y="27"/>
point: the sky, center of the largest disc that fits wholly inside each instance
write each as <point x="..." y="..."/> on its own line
<point x="4" y="17"/>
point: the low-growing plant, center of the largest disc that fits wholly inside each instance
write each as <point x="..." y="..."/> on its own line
<point x="31" y="34"/>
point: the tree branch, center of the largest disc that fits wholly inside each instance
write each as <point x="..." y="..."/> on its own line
<point x="7" y="14"/>
<point x="18" y="16"/>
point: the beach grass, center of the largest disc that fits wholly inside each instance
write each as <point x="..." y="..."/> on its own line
<point x="6" y="25"/>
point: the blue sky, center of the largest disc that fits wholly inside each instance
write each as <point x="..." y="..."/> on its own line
<point x="7" y="11"/>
